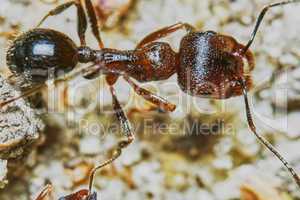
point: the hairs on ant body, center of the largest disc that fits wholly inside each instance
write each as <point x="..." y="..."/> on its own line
<point x="208" y="64"/>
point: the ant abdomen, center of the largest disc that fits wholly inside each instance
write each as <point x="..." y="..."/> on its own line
<point x="211" y="65"/>
<point x="41" y="54"/>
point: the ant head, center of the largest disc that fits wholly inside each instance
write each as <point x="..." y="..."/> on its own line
<point x="212" y="65"/>
<point x="80" y="195"/>
<point x="41" y="54"/>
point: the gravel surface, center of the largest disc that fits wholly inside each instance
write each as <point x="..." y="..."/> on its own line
<point x="202" y="151"/>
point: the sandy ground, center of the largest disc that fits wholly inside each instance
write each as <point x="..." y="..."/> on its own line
<point x="170" y="158"/>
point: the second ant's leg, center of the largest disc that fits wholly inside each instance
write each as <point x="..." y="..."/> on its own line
<point x="82" y="23"/>
<point x="38" y="87"/>
<point x="161" y="33"/>
<point x="46" y="192"/>
<point x="149" y="96"/>
<point x="24" y="94"/>
<point x="263" y="140"/>
<point x="126" y="129"/>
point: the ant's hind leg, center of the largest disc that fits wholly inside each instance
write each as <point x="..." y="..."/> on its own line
<point x="126" y="129"/>
<point x="164" y="32"/>
<point x="149" y="96"/>
<point x="82" y="22"/>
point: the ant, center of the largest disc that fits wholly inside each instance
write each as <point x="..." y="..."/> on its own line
<point x="208" y="64"/>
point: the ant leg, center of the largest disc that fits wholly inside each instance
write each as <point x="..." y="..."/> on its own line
<point x="59" y="9"/>
<point x="126" y="128"/>
<point x="39" y="87"/>
<point x="24" y="94"/>
<point x="82" y="23"/>
<point x="260" y="18"/>
<point x="110" y="78"/>
<point x="263" y="140"/>
<point x="149" y="96"/>
<point x="94" y="22"/>
<point x="45" y="192"/>
<point x="164" y="32"/>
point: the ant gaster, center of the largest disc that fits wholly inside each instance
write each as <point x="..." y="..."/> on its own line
<point x="208" y="64"/>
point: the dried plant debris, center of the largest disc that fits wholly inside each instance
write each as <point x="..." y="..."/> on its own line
<point x="110" y="12"/>
<point x="20" y="127"/>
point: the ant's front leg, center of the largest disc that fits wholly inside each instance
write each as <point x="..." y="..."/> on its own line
<point x="82" y="22"/>
<point x="153" y="98"/>
<point x="126" y="129"/>
<point x="164" y="32"/>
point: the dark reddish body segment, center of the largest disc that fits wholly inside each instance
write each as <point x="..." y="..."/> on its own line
<point x="80" y="195"/>
<point x="83" y="194"/>
<point x="153" y="62"/>
<point x="211" y="65"/>
<point x="208" y="64"/>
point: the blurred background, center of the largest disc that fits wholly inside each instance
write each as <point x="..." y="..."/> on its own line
<point x="203" y="150"/>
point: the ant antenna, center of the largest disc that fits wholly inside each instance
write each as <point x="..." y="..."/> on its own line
<point x="262" y="139"/>
<point x="260" y="18"/>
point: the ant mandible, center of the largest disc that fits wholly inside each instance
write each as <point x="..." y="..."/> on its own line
<point x="208" y="64"/>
